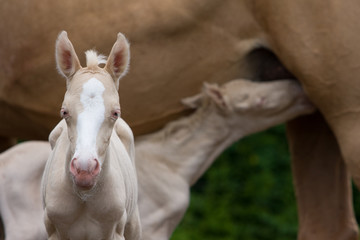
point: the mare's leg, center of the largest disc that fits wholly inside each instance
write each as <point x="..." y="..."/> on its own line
<point x="322" y="184"/>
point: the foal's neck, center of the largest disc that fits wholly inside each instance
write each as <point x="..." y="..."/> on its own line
<point x="211" y="133"/>
<point x="190" y="145"/>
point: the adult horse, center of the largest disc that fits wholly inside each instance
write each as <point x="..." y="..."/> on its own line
<point x="179" y="44"/>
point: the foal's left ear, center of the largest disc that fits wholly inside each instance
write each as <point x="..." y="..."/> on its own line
<point x="119" y="59"/>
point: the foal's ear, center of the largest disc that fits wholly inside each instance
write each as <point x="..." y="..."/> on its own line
<point x="67" y="61"/>
<point x="213" y="91"/>
<point x="119" y="58"/>
<point x="193" y="102"/>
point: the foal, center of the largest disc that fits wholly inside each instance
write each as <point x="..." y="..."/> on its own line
<point x="89" y="184"/>
<point x="171" y="160"/>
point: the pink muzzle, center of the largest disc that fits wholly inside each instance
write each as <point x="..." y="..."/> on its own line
<point x="84" y="175"/>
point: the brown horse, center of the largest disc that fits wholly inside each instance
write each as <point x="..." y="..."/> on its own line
<point x="177" y="45"/>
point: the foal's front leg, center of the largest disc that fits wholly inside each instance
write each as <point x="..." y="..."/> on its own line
<point x="133" y="227"/>
<point x="50" y="229"/>
<point x="120" y="228"/>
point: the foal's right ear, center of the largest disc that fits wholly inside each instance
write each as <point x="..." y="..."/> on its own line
<point x="67" y="61"/>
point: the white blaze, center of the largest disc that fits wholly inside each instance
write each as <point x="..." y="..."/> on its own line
<point x="89" y="121"/>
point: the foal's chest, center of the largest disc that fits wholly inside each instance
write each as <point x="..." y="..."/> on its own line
<point x="91" y="222"/>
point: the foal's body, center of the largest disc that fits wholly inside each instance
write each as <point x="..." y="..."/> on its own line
<point x="89" y="184"/>
<point x="171" y="160"/>
<point x="104" y="209"/>
<point x="21" y="168"/>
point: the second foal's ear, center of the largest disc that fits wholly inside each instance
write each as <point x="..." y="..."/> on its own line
<point x="67" y="61"/>
<point x="119" y="59"/>
<point x="213" y="91"/>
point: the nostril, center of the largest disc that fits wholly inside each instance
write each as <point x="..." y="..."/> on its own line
<point x="73" y="169"/>
<point x="96" y="169"/>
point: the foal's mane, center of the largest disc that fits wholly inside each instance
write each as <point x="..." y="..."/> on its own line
<point x="93" y="59"/>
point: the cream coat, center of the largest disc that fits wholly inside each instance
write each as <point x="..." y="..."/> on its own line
<point x="89" y="185"/>
<point x="169" y="161"/>
<point x="192" y="41"/>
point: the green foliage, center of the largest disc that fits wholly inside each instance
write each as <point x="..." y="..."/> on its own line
<point x="246" y="194"/>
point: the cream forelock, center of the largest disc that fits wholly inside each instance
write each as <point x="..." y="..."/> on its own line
<point x="94" y="59"/>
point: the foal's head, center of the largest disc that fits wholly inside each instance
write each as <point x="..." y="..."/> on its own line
<point x="91" y="105"/>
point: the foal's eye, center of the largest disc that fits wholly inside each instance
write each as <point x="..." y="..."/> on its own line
<point x="115" y="114"/>
<point x="64" y="113"/>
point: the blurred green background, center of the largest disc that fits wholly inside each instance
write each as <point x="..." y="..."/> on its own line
<point x="246" y="194"/>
